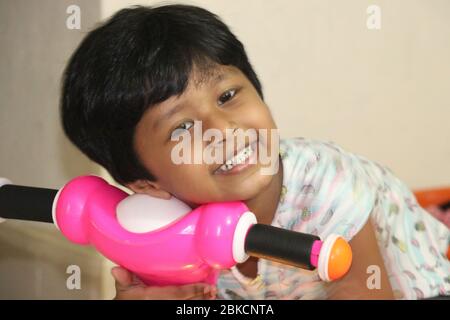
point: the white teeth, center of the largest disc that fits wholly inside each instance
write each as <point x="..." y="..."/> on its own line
<point x="240" y="158"/>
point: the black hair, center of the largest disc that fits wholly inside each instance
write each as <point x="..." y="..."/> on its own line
<point x="141" y="56"/>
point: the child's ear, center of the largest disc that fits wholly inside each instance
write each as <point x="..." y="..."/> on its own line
<point x="149" y="187"/>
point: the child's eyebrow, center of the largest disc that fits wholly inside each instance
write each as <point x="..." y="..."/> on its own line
<point x="211" y="83"/>
<point x="219" y="78"/>
<point x="168" y="114"/>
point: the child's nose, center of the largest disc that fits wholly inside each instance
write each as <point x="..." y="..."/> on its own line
<point x="223" y="123"/>
<point x="220" y="121"/>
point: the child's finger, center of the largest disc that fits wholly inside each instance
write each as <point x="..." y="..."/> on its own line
<point x="136" y="280"/>
<point x="184" y="292"/>
<point x="192" y="291"/>
<point x="209" y="293"/>
<point x="123" y="277"/>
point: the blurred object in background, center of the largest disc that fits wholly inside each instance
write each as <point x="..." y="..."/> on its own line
<point x="437" y="202"/>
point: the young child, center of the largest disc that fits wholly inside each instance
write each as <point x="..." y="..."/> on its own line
<point x="148" y="74"/>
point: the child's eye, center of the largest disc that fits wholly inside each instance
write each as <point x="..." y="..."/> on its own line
<point x="228" y="95"/>
<point x="181" y="129"/>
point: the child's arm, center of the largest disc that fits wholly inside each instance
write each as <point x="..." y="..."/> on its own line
<point x="354" y="285"/>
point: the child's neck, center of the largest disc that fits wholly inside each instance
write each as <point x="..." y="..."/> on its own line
<point x="265" y="204"/>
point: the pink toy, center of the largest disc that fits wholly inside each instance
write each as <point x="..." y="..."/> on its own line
<point x="164" y="241"/>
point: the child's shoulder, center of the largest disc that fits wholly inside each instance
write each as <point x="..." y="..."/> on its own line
<point x="304" y="149"/>
<point x="331" y="187"/>
<point x="301" y="143"/>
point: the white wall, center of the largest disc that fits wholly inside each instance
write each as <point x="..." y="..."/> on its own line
<point x="383" y="94"/>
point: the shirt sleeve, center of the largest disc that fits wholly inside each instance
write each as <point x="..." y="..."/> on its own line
<point x="337" y="192"/>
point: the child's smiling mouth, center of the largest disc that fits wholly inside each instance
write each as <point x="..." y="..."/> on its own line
<point x="239" y="161"/>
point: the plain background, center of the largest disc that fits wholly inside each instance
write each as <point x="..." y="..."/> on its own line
<point x="384" y="94"/>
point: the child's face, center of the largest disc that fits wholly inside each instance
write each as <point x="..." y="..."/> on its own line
<point x="232" y="102"/>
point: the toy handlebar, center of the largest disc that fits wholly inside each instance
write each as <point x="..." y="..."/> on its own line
<point x="165" y="242"/>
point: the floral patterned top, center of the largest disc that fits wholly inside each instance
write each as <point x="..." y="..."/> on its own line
<point x="328" y="190"/>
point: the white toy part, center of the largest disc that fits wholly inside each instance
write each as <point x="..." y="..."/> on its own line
<point x="245" y="222"/>
<point x="140" y="213"/>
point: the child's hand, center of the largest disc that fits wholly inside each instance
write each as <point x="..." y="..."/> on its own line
<point x="129" y="287"/>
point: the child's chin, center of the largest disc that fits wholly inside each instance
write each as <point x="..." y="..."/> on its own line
<point x="251" y="188"/>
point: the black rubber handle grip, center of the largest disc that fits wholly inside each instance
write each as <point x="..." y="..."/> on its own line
<point x="280" y="245"/>
<point x="26" y="203"/>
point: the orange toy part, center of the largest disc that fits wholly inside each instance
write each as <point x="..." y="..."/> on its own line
<point x="433" y="197"/>
<point x="430" y="197"/>
<point x="340" y="259"/>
